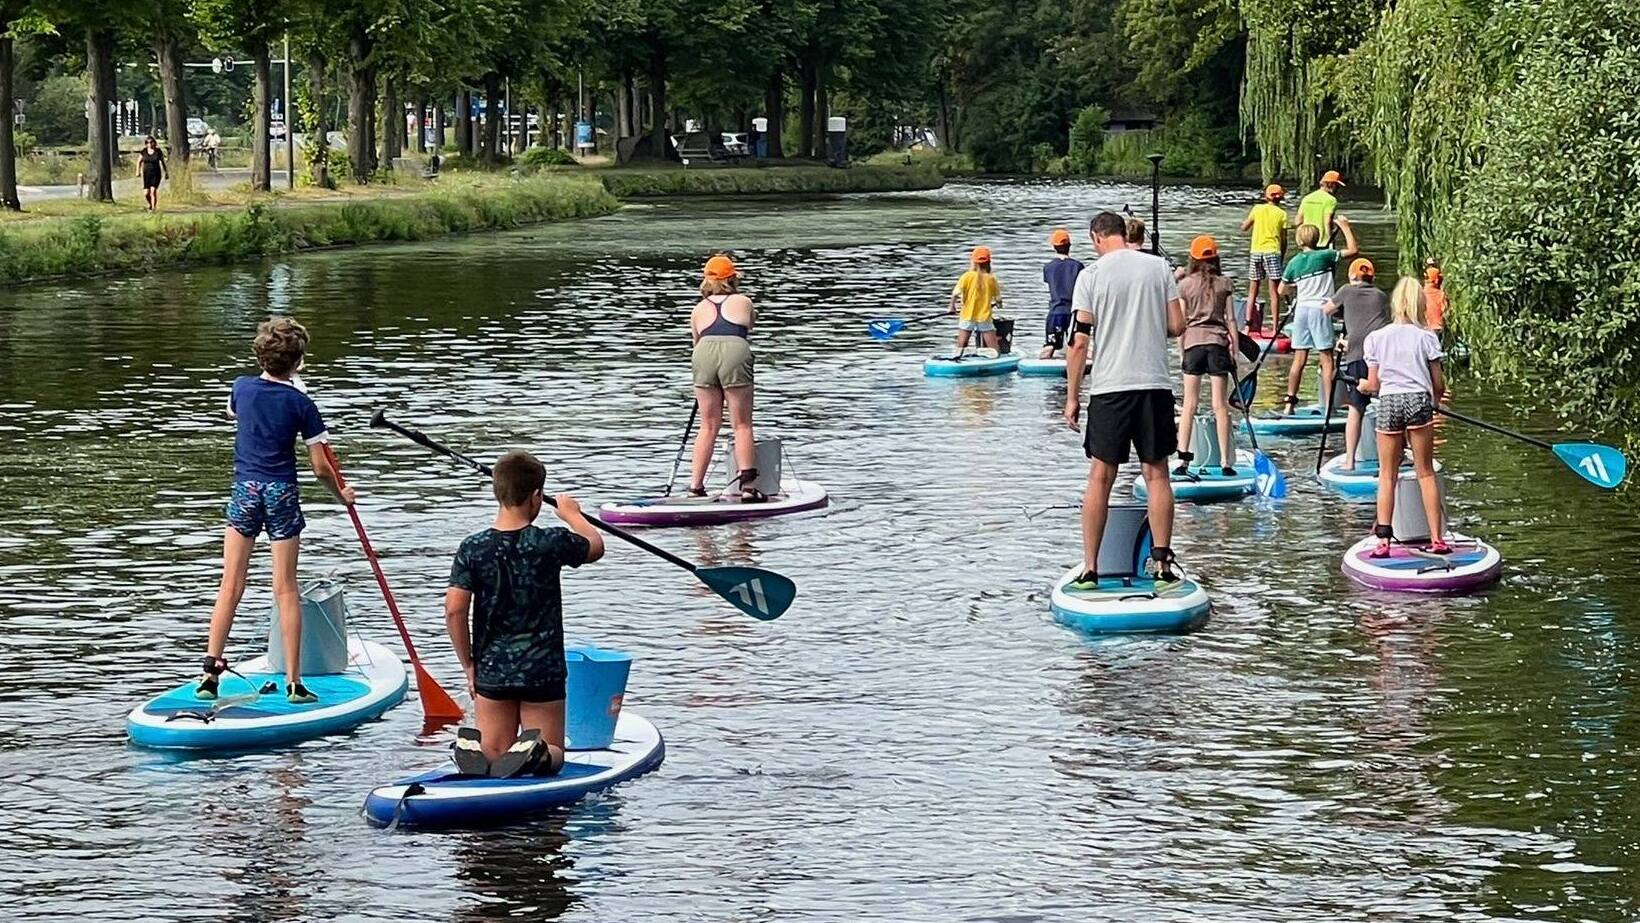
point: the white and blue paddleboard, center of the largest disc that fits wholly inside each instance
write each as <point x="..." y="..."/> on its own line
<point x="1207" y="482"/>
<point x="1032" y="367"/>
<point x="1362" y="480"/>
<point x="970" y="365"/>
<point x="1130" y="605"/>
<point x="1308" y="420"/>
<point x="241" y="717"/>
<point x="441" y="798"/>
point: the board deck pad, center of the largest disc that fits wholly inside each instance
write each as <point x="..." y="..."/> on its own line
<point x="332" y="689"/>
<point x="1135" y="604"/>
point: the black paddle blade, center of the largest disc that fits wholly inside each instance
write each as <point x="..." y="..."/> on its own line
<point x="761" y="594"/>
<point x="1247" y="346"/>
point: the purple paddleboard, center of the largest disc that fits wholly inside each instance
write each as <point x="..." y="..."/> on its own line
<point x="795" y="497"/>
<point x="1471" y="565"/>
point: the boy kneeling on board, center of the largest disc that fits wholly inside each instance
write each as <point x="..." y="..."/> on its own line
<point x="504" y="610"/>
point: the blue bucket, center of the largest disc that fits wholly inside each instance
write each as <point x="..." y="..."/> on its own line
<point x="592" y="695"/>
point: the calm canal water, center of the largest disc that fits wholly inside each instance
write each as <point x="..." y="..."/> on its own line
<point x="916" y="739"/>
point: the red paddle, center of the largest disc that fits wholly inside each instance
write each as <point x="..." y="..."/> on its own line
<point x="436" y="704"/>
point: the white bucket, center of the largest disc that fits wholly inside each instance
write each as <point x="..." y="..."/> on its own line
<point x="1204" y="443"/>
<point x="324" y="631"/>
<point x="1408" y="521"/>
<point x="769" y="459"/>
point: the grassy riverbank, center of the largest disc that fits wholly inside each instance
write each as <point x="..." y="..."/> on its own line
<point x="68" y="237"/>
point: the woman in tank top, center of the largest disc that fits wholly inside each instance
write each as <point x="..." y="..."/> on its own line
<point x="722" y="360"/>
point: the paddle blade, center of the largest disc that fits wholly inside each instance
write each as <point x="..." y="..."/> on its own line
<point x="884" y="329"/>
<point x="1600" y="465"/>
<point x="436" y="704"/>
<point x="761" y="594"/>
<point x="1247" y="389"/>
<point x="1269" y="479"/>
<point x="1247" y="345"/>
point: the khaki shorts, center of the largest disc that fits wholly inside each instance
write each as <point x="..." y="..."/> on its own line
<point x="723" y="362"/>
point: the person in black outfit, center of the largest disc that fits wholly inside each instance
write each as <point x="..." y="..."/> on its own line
<point x="151" y="161"/>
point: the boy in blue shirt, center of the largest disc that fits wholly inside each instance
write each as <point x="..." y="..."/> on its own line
<point x="271" y="412"/>
<point x="505" y="613"/>
<point x="1060" y="273"/>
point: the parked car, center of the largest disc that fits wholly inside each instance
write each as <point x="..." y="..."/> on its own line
<point x="197" y="129"/>
<point x="735" y="143"/>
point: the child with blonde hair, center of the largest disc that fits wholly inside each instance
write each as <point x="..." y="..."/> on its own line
<point x="1404" y="370"/>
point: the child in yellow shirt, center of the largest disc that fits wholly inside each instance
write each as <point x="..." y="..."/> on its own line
<point x="1268" y="222"/>
<point x="978" y="295"/>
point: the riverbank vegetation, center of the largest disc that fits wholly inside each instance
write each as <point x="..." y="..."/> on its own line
<point x="627" y="183"/>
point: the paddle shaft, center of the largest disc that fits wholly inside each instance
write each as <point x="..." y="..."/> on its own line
<point x="1493" y="428"/>
<point x="676" y="462"/>
<point x="1326" y="418"/>
<point x="427" y="442"/>
<point x="432" y="702"/>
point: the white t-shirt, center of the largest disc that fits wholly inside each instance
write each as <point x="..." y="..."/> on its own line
<point x="1402" y="353"/>
<point x="1127" y="293"/>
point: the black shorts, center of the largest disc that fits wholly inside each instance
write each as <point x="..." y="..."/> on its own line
<point x="1209" y="359"/>
<point x="550" y="691"/>
<point x="1058" y="326"/>
<point x="1143" y="419"/>
<point x="1355" y="369"/>
<point x="150" y="179"/>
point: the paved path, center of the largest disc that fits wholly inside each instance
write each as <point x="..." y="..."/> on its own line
<point x="219" y="179"/>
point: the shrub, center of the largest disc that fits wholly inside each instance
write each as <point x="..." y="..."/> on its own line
<point x="1087" y="138"/>
<point x="537" y="157"/>
<point x="56" y="114"/>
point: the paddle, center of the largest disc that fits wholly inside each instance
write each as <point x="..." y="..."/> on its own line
<point x="436" y="704"/>
<point x="761" y="594"/>
<point x="1326" y="416"/>
<point x="1269" y="479"/>
<point x="693" y="413"/>
<point x="1600" y="465"/>
<point x="887" y="328"/>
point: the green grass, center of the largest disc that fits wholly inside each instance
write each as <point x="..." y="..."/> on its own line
<point x="653" y="182"/>
<point x="95" y="239"/>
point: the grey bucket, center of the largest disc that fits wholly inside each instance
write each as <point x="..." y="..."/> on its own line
<point x="1126" y="542"/>
<point x="1408" y="521"/>
<point x="1204" y="443"/>
<point x="324" y="631"/>
<point x="769" y="459"/>
<point x="1366" y="447"/>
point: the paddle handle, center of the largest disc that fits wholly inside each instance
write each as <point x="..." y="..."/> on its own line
<point x="380" y="421"/>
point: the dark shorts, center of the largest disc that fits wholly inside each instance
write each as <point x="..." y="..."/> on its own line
<point x="550" y="691"/>
<point x="1143" y="419"/>
<point x="150" y="179"/>
<point x="271" y="505"/>
<point x="1058" y="326"/>
<point x="1355" y="369"/>
<point x="1398" y="413"/>
<point x="1208" y="359"/>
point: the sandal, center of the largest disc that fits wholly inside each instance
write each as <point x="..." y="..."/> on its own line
<point x="697" y="491"/>
<point x="1385" y="534"/>
<point x="469" y="753"/>
<point x="1228" y="471"/>
<point x="298" y="694"/>
<point x="522" y="755"/>
<point x="1185" y="458"/>
<point x="1163" y="558"/>
<point x="208" y="684"/>
<point x="1438" y="546"/>
<point x="1289" y="405"/>
<point x="748" y="493"/>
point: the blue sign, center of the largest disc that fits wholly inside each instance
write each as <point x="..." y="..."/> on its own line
<point x="583" y="134"/>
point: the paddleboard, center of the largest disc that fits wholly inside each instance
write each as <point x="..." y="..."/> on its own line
<point x="796" y="496"/>
<point x="1208" y="483"/>
<point x="1032" y="367"/>
<point x="1306" y="420"/>
<point x="1283" y="344"/>
<point x="1473" y="564"/>
<point x="440" y="798"/>
<point x="970" y="365"/>
<point x="240" y="718"/>
<point x="1363" y="480"/>
<point x="1130" y="605"/>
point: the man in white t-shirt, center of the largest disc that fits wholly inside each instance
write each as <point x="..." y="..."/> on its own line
<point x="1128" y="303"/>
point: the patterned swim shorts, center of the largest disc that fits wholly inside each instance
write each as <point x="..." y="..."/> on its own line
<point x="272" y="505"/>
<point x="1264" y="266"/>
<point x="1398" y="413"/>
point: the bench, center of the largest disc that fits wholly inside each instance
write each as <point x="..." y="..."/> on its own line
<point x="700" y="148"/>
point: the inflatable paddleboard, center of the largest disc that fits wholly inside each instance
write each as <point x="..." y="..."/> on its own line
<point x="1032" y="367"/>
<point x="1207" y="482"/>
<point x="1362" y="481"/>
<point x="1283" y="344"/>
<point x="241" y="718"/>
<point x="970" y="365"/>
<point x="1130" y="604"/>
<point x="796" y="496"/>
<point x="441" y="798"/>
<point x="1473" y="564"/>
<point x="1307" y="420"/>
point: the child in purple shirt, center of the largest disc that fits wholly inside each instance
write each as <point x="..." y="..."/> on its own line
<point x="271" y="413"/>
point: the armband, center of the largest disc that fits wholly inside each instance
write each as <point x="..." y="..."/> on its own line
<point x="1085" y="328"/>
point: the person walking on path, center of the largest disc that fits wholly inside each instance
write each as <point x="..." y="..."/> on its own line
<point x="1268" y="222"/>
<point x="721" y="327"/>
<point x="1126" y="306"/>
<point x="1319" y="209"/>
<point x="151" y="163"/>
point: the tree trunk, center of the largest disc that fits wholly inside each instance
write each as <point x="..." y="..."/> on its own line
<point x="464" y="121"/>
<point x="361" y="107"/>
<point x="261" y="144"/>
<point x="774" y="109"/>
<point x="168" y="54"/>
<point x="319" y="132"/>
<point x="438" y="129"/>
<point x="623" y="107"/>
<point x="822" y="113"/>
<point x="419" y="145"/>
<point x="489" y="149"/>
<point x="661" y="145"/>
<point x="809" y="70"/>
<point x="392" y="140"/>
<point x="8" y="139"/>
<point x="99" y="64"/>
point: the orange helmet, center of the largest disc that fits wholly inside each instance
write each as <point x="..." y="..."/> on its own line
<point x="720" y="268"/>
<point x="1204" y="248"/>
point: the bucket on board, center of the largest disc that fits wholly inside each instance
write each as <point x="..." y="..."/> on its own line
<point x="593" y="690"/>
<point x="324" y="631"/>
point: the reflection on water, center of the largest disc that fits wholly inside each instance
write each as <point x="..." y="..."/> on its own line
<point x="915" y="740"/>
